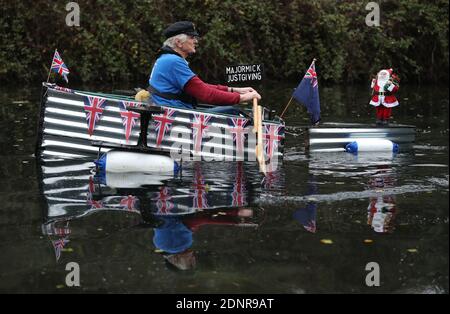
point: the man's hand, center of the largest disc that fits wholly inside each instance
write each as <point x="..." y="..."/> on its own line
<point x="249" y="96"/>
<point x="242" y="90"/>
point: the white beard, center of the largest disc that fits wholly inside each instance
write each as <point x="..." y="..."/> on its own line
<point x="381" y="81"/>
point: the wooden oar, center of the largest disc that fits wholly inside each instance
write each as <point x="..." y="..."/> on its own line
<point x="262" y="160"/>
<point x="258" y="127"/>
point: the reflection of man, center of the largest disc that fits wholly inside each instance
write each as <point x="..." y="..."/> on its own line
<point x="174" y="237"/>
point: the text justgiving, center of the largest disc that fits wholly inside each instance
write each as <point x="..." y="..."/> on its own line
<point x="244" y="73"/>
<point x="228" y="303"/>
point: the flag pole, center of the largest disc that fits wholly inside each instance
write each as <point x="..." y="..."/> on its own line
<point x="285" y="108"/>
<point x="290" y="100"/>
<point x="50" y="70"/>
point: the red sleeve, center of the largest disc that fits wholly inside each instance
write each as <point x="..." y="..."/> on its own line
<point x="210" y="94"/>
<point x="219" y="87"/>
<point x="194" y="223"/>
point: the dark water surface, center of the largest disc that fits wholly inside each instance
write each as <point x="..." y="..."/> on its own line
<point x="311" y="227"/>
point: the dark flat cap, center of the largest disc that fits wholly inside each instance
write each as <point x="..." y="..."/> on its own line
<point x="181" y="27"/>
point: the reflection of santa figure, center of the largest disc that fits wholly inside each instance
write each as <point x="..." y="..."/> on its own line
<point x="384" y="86"/>
<point x="381" y="213"/>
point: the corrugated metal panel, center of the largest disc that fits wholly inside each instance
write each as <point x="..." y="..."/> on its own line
<point x="65" y="129"/>
<point x="336" y="137"/>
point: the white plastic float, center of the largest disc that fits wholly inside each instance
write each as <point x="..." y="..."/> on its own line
<point x="131" y="180"/>
<point x="371" y="145"/>
<point x="120" y="161"/>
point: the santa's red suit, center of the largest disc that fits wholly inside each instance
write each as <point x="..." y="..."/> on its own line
<point x="384" y="86"/>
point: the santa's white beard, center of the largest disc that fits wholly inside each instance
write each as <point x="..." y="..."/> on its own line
<point x="382" y="82"/>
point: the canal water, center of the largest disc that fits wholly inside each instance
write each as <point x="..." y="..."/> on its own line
<point x="322" y="223"/>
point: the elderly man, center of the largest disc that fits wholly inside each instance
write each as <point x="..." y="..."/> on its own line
<point x="173" y="83"/>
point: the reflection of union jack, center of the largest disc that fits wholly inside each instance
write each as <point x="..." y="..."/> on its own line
<point x="311" y="226"/>
<point x="128" y="117"/>
<point x="162" y="124"/>
<point x="163" y="203"/>
<point x="90" y="201"/>
<point x="93" y="111"/>
<point x="53" y="229"/>
<point x="238" y="130"/>
<point x="200" y="125"/>
<point x="272" y="138"/>
<point x="311" y="74"/>
<point x="239" y="191"/>
<point x="94" y="204"/>
<point x="59" y="66"/>
<point x="58" y="246"/>
<point x="129" y="202"/>
<point x="270" y="179"/>
<point x="91" y="186"/>
<point x="199" y="200"/>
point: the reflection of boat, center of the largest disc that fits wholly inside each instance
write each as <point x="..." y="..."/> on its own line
<point x="207" y="193"/>
<point x="74" y="123"/>
<point x="331" y="137"/>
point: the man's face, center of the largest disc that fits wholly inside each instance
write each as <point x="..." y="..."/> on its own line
<point x="190" y="45"/>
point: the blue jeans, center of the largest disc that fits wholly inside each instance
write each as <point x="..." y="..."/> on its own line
<point x="225" y="109"/>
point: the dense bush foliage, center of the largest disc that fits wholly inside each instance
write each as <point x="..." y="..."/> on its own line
<point x="117" y="40"/>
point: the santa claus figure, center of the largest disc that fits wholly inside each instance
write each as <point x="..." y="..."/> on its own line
<point x="384" y="87"/>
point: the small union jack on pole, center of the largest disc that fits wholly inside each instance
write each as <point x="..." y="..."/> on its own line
<point x="59" y="67"/>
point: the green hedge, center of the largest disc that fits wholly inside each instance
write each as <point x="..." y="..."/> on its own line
<point x="117" y="40"/>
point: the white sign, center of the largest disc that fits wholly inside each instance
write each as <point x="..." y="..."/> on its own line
<point x="244" y="73"/>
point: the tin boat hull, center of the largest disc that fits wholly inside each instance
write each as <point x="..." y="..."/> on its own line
<point x="74" y="124"/>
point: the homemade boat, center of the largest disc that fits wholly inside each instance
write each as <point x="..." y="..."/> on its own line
<point x="76" y="124"/>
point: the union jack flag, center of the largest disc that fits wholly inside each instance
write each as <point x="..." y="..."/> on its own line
<point x="162" y="124"/>
<point x="59" y="66"/>
<point x="63" y="89"/>
<point x="199" y="125"/>
<point x="129" y="118"/>
<point x="94" y="108"/>
<point x="163" y="203"/>
<point x="272" y="138"/>
<point x="58" y="246"/>
<point x="312" y="75"/>
<point x="238" y="130"/>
